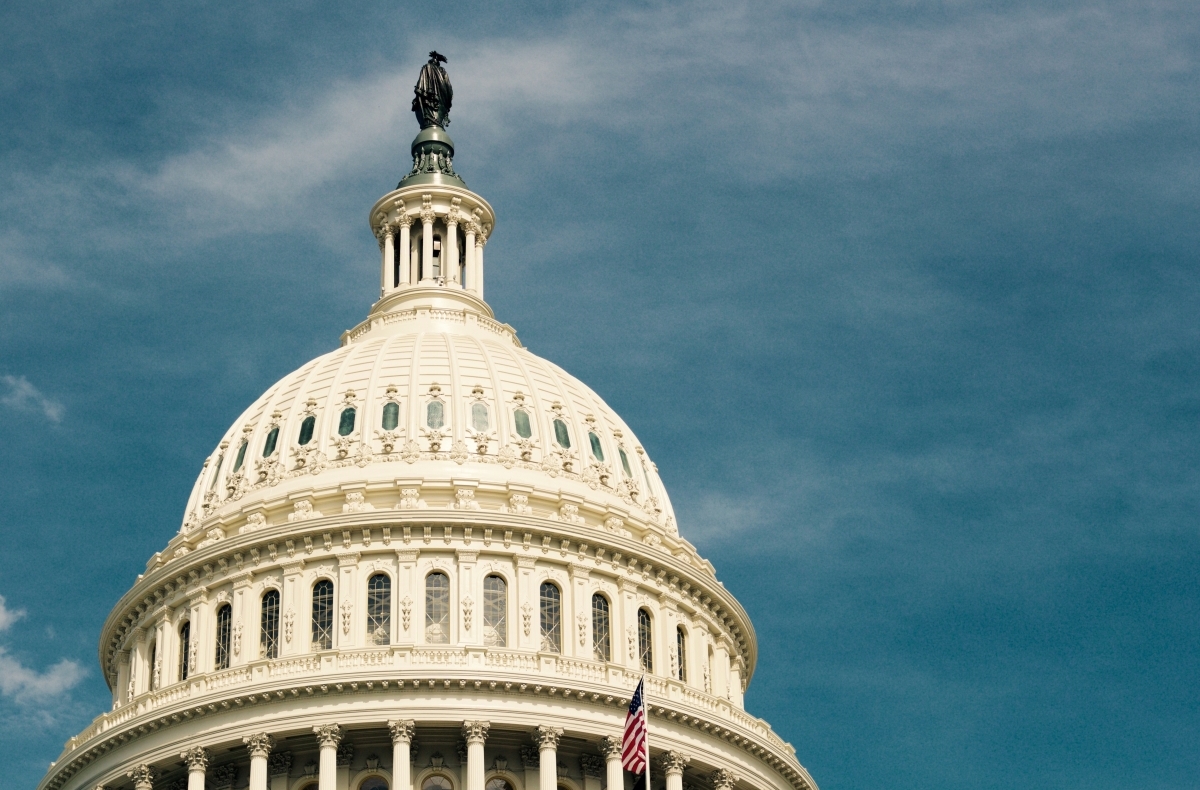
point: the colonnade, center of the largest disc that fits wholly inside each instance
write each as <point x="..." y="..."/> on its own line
<point x="329" y="738"/>
<point x="400" y="269"/>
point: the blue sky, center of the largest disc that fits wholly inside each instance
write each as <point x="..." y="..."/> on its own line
<point x="902" y="298"/>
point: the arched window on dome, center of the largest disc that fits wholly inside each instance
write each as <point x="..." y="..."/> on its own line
<point x="551" y="616"/>
<point x="437" y="608"/>
<point x="597" y="450"/>
<point x="241" y="456"/>
<point x="268" y="625"/>
<point x="346" y="421"/>
<point x="435" y="414"/>
<point x="625" y="462"/>
<point x="437" y="782"/>
<point x="306" y="430"/>
<point x="561" y="435"/>
<point x="379" y="609"/>
<point x="271" y="442"/>
<point x="521" y="423"/>
<point x="495" y="611"/>
<point x="681" y="654"/>
<point x="185" y="649"/>
<point x="224" y="635"/>
<point x="216" y="473"/>
<point x="391" y="415"/>
<point x="479" y="416"/>
<point x="152" y="681"/>
<point x="601" y="628"/>
<point x="645" y="640"/>
<point x="322" y="615"/>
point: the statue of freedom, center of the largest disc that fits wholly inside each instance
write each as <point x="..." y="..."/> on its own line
<point x="433" y="94"/>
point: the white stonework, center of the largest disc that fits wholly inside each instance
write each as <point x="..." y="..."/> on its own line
<point x="336" y="591"/>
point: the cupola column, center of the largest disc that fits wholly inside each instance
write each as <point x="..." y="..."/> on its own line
<point x="427" y="217"/>
<point x="387" y="279"/>
<point x="547" y="738"/>
<point x="260" y="746"/>
<point x="610" y="747"/>
<point x="671" y="764"/>
<point x="475" y="733"/>
<point x="472" y="279"/>
<point x="404" y="264"/>
<point x="402" y="734"/>
<point x="480" y="240"/>
<point x="197" y="763"/>
<point x="450" y="248"/>
<point x="329" y="736"/>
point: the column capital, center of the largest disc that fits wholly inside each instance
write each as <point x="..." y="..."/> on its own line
<point x="402" y="730"/>
<point x="260" y="744"/>
<point x="196" y="758"/>
<point x="722" y="779"/>
<point x="610" y="747"/>
<point x="475" y="731"/>
<point x="672" y="762"/>
<point x="547" y="737"/>
<point x="329" y="736"/>
<point x="143" y="776"/>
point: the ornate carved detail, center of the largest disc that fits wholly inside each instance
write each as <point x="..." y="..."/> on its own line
<point x="616" y="526"/>
<point x="610" y="747"/>
<point x="406" y="612"/>
<point x="356" y="502"/>
<point x="410" y="500"/>
<point x="259" y="744"/>
<point x="347" y="612"/>
<point x="427" y="213"/>
<point x="530" y="757"/>
<point x="722" y="779"/>
<point x="464" y="499"/>
<point x="631" y="637"/>
<point x="567" y="512"/>
<point x="289" y="620"/>
<point x="581" y="624"/>
<point x="475" y="731"/>
<point x="224" y="776"/>
<point x="345" y="753"/>
<point x="303" y="511"/>
<point x="526" y="617"/>
<point x="519" y="504"/>
<point x="672" y="762"/>
<point x="279" y="763"/>
<point x="328" y="735"/>
<point x="196" y="758"/>
<point x="143" y="776"/>
<point x="547" y="737"/>
<point x="591" y="765"/>
<point x="402" y="730"/>
<point x="468" y="607"/>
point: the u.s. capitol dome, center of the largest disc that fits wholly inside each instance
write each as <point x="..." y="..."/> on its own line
<point x="427" y="560"/>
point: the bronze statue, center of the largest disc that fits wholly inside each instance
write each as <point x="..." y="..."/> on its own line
<point x="433" y="94"/>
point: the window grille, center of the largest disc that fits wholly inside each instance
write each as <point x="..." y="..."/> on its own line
<point x="224" y="633"/>
<point x="379" y="609"/>
<point x="322" y="615"/>
<point x="268" y="646"/>
<point x="645" y="640"/>
<point x="495" y="612"/>
<point x="601" y="628"/>
<point x="437" y="609"/>
<point x="551" y="606"/>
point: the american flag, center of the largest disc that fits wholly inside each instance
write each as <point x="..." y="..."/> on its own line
<point x="635" y="748"/>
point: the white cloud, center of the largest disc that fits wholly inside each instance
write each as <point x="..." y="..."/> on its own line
<point x="23" y="396"/>
<point x="28" y="685"/>
<point x="8" y="616"/>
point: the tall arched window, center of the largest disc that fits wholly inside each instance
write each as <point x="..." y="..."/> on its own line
<point x="346" y="421"/>
<point x="391" y="416"/>
<point x="268" y="639"/>
<point x="272" y="440"/>
<point x="224" y="635"/>
<point x="551" y="606"/>
<point x="185" y="647"/>
<point x="379" y="609"/>
<point x="645" y="640"/>
<point x="495" y="611"/>
<point x="681" y="650"/>
<point x="437" y="608"/>
<point x="708" y="673"/>
<point x="521" y="423"/>
<point x="153" y="679"/>
<point x="601" y="628"/>
<point x="306" y="430"/>
<point x="322" y="615"/>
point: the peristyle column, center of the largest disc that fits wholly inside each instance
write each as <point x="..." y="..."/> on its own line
<point x="722" y="779"/>
<point x="547" y="739"/>
<point x="480" y="240"/>
<point x="471" y="283"/>
<point x="403" y="264"/>
<point x="450" y="248"/>
<point x="143" y="777"/>
<point x="427" y="217"/>
<point x="260" y="746"/>
<point x="611" y="749"/>
<point x="329" y="736"/>
<point x="386" y="275"/>
<point x="475" y="733"/>
<point x="402" y="734"/>
<point x="671" y="764"/>
<point x="196" y="759"/>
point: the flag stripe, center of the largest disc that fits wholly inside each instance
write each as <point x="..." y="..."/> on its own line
<point x="635" y="748"/>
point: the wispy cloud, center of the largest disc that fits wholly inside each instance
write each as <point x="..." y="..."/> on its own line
<point x="8" y="616"/>
<point x="23" y="396"/>
<point x="24" y="685"/>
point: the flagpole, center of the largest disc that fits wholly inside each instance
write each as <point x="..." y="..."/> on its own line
<point x="646" y="713"/>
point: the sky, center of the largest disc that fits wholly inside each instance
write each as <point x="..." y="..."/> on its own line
<point x="902" y="299"/>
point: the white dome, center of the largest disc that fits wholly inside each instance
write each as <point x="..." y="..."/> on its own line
<point x="465" y="375"/>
